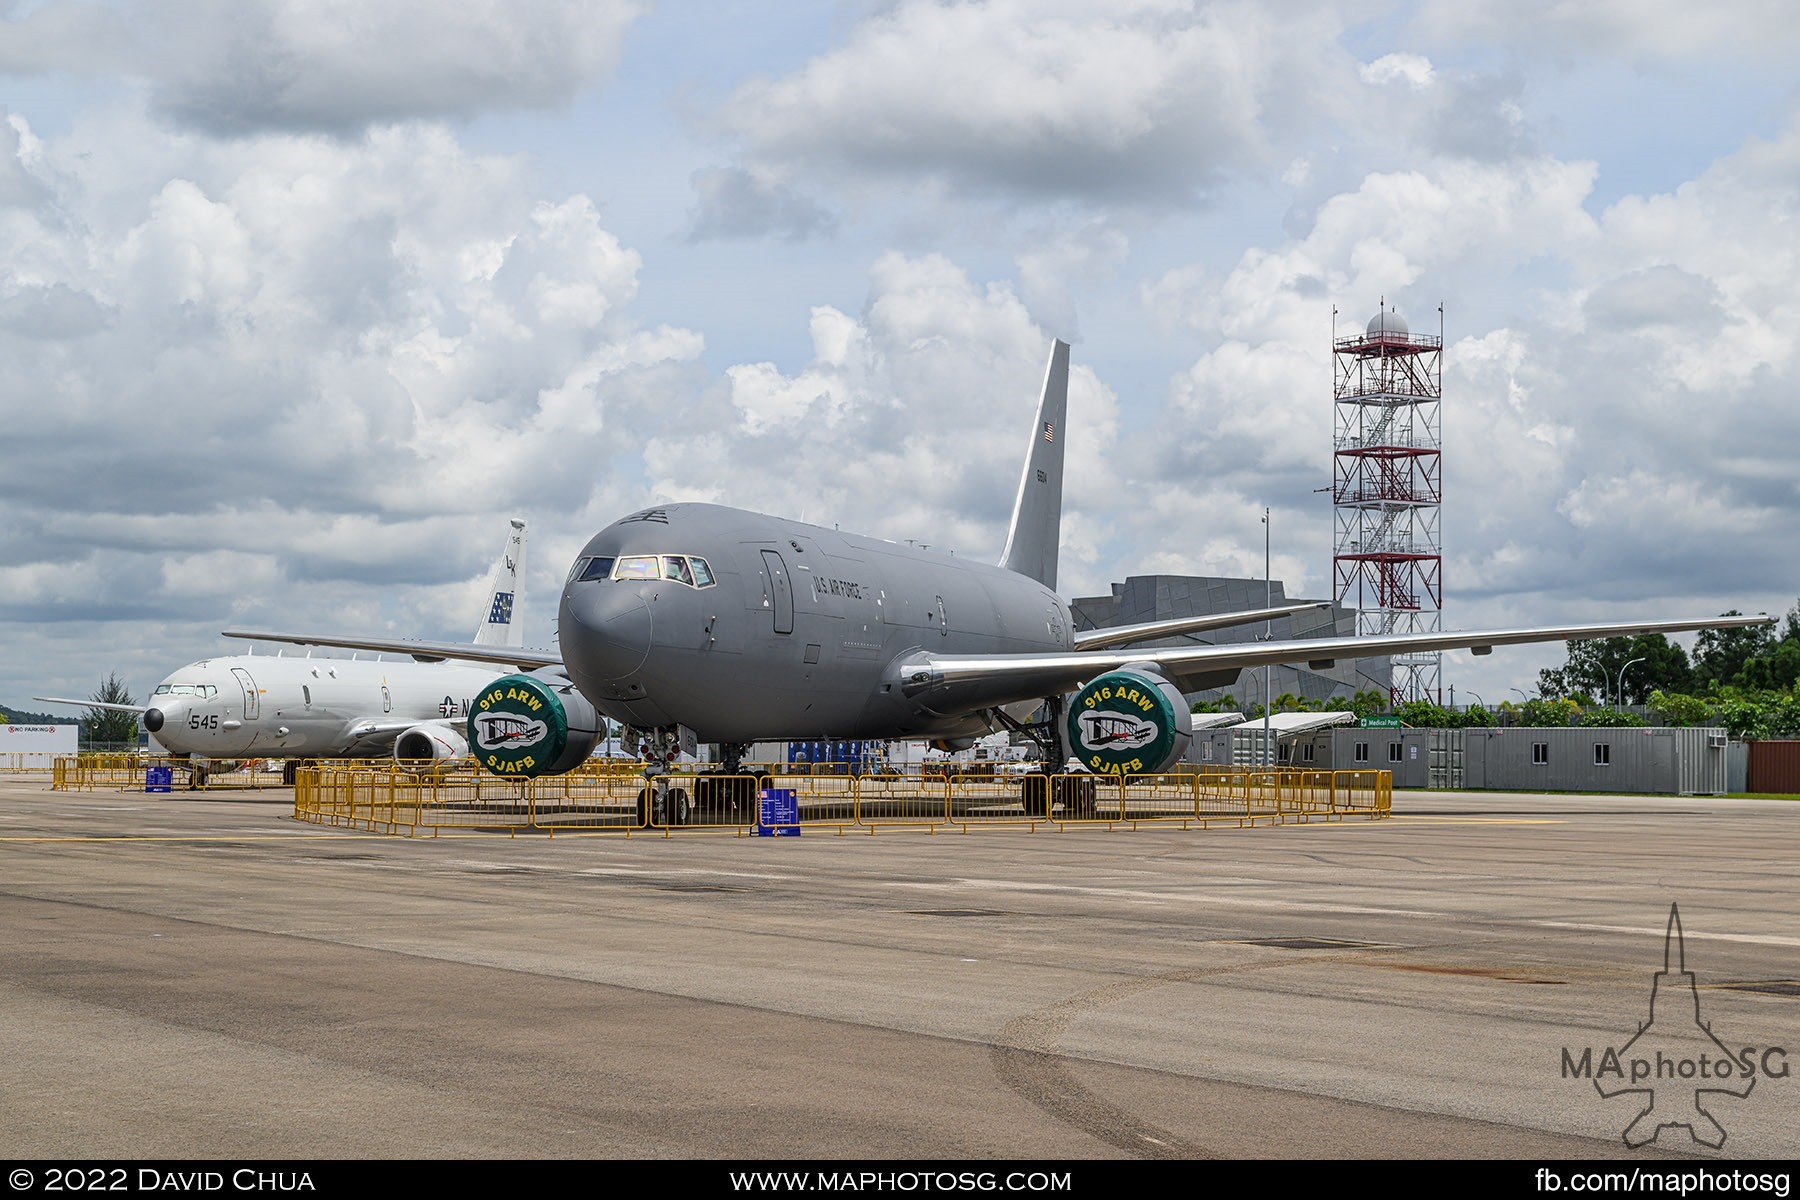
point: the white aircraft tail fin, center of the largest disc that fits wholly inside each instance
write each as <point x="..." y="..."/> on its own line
<point x="1036" y="532"/>
<point x="499" y="620"/>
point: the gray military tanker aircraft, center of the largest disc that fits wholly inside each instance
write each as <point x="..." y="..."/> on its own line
<point x="707" y="623"/>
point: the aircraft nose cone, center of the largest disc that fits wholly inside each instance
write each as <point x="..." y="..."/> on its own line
<point x="604" y="630"/>
<point x="153" y="719"/>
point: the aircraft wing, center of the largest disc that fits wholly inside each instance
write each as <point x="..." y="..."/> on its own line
<point x="953" y="682"/>
<point x="517" y="657"/>
<point x="1149" y="631"/>
<point x="140" y="709"/>
<point x="364" y="734"/>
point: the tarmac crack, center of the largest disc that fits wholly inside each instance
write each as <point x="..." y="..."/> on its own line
<point x="1028" y="1057"/>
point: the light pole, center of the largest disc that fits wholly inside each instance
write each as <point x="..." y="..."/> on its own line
<point x="1522" y="695"/>
<point x="1268" y="636"/>
<point x="1478" y="698"/>
<point x="1622" y="671"/>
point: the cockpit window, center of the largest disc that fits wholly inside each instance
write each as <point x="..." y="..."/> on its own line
<point x="637" y="566"/>
<point x="677" y="568"/>
<point x="185" y="689"/>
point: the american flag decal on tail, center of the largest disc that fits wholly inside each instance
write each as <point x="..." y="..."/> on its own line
<point x="1049" y="431"/>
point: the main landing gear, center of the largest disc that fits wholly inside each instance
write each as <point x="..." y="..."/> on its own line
<point x="1052" y="785"/>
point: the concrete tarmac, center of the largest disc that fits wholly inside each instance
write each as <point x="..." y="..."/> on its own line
<point x="201" y="976"/>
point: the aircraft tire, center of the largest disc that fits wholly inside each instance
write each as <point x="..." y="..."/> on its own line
<point x="1078" y="794"/>
<point x="1034" y="790"/>
<point x="645" y="810"/>
<point x="676" y="805"/>
<point x="289" y="771"/>
<point x="721" y="801"/>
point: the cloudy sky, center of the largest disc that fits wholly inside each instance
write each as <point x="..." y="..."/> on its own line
<point x="301" y="299"/>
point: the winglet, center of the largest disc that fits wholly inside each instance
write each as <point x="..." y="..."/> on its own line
<point x="1036" y="533"/>
<point x="499" y="625"/>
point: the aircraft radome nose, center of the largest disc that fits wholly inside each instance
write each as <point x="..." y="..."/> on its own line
<point x="153" y="719"/>
<point x="604" y="630"/>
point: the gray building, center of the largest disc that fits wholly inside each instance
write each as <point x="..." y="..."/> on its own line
<point x="1166" y="597"/>
<point x="1405" y="752"/>
<point x="1686" y="762"/>
<point x="1638" y="760"/>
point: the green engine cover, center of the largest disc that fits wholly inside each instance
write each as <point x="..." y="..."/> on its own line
<point x="1129" y="722"/>
<point x="517" y="727"/>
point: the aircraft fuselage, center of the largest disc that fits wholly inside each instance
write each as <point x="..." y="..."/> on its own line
<point x="255" y="706"/>
<point x="783" y="629"/>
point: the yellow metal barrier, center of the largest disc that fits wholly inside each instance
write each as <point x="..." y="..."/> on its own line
<point x="127" y="772"/>
<point x="903" y="801"/>
<point x="607" y="799"/>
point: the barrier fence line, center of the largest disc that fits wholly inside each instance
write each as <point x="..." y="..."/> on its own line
<point x="379" y="794"/>
<point x="383" y="797"/>
<point x="129" y="772"/>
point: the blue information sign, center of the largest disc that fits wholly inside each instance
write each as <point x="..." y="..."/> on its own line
<point x="158" y="779"/>
<point x="777" y="813"/>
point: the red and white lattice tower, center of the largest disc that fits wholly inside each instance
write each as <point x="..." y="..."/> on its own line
<point x="1387" y="489"/>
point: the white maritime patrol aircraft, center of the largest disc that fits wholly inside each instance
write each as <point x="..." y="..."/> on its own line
<point x="696" y="622"/>
<point x="275" y="706"/>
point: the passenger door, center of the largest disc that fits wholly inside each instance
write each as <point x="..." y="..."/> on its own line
<point x="778" y="590"/>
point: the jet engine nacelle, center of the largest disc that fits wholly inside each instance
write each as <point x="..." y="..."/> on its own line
<point x="1129" y="722"/>
<point x="430" y="749"/>
<point x="527" y="725"/>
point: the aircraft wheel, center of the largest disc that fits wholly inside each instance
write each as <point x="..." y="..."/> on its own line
<point x="1078" y="796"/>
<point x="678" y="810"/>
<point x="289" y="770"/>
<point x="644" y="807"/>
<point x="1035" y="790"/>
<point x="710" y="801"/>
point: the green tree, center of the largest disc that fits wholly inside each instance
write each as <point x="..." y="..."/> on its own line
<point x="1366" y="703"/>
<point x="106" y="725"/>
<point x="1720" y="654"/>
<point x="1423" y="714"/>
<point x="1778" y="670"/>
<point x="1476" y="716"/>
<point x="1548" y="713"/>
<point x="1593" y="669"/>
<point x="1608" y="718"/>
<point x="1678" y="709"/>
<point x="1777" y="665"/>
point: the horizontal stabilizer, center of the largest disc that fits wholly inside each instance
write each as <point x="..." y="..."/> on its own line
<point x="1149" y="631"/>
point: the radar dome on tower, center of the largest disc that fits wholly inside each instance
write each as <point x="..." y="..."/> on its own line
<point x="1387" y="323"/>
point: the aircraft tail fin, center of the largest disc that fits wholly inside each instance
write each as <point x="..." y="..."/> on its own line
<point x="1036" y="533"/>
<point x="499" y="620"/>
